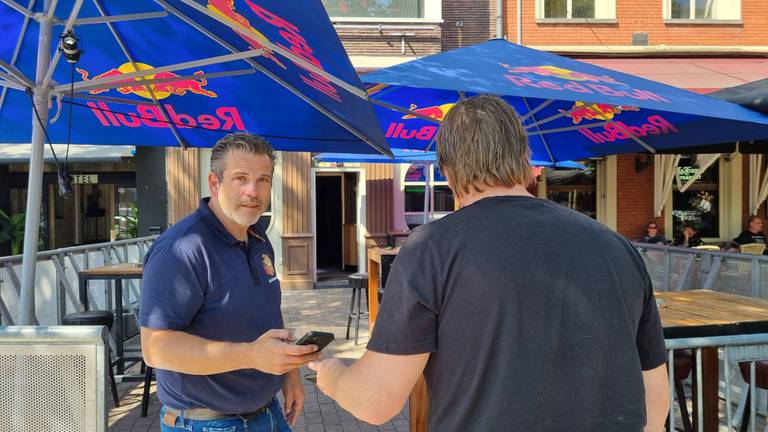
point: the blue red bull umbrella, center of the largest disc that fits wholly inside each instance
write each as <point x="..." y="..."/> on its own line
<point x="571" y="110"/>
<point x="418" y="156"/>
<point x="174" y="73"/>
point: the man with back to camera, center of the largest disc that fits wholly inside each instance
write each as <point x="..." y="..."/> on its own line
<point x="523" y="315"/>
<point x="211" y="323"/>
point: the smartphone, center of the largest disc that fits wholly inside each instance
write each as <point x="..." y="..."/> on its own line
<point x="321" y="339"/>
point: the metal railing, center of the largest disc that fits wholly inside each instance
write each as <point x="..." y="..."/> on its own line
<point x="732" y="350"/>
<point x="56" y="280"/>
<point x="680" y="269"/>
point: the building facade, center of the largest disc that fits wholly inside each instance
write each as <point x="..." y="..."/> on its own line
<point x="699" y="45"/>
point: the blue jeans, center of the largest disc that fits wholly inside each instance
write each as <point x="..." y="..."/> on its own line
<point x="271" y="420"/>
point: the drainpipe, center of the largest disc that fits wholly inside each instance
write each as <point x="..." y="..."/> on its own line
<point x="500" y="19"/>
<point x="519" y="22"/>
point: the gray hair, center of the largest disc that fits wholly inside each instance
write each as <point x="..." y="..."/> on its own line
<point x="245" y="142"/>
<point x="482" y="142"/>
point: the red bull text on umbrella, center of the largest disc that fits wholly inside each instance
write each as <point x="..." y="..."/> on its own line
<point x="576" y="81"/>
<point x="223" y="118"/>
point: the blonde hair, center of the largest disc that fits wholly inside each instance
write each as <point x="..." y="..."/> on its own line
<point x="482" y="142"/>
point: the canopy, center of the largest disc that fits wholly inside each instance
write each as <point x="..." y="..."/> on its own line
<point x="173" y="72"/>
<point x="571" y="110"/>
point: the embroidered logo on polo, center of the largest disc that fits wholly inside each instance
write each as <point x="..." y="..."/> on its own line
<point x="269" y="269"/>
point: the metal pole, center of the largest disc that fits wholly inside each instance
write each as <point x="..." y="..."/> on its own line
<point x="500" y="19"/>
<point x="35" y="184"/>
<point x="519" y="22"/>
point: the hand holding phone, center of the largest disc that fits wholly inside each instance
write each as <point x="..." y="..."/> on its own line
<point x="317" y="338"/>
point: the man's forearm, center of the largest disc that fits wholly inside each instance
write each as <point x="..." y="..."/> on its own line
<point x="656" y="383"/>
<point x="182" y="352"/>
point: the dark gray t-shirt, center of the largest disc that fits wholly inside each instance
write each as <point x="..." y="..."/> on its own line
<point x="537" y="318"/>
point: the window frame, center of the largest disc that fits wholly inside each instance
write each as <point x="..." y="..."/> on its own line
<point x="432" y="14"/>
<point x="667" y="15"/>
<point x="430" y="177"/>
<point x="603" y="15"/>
<point x="722" y="210"/>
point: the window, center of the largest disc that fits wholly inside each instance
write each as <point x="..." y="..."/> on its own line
<point x="414" y="184"/>
<point x="375" y="8"/>
<point x="576" y="9"/>
<point x="703" y="9"/>
<point x="575" y="189"/>
<point x="699" y="204"/>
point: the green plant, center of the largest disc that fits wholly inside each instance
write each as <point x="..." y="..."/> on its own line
<point x="128" y="225"/>
<point x="12" y="230"/>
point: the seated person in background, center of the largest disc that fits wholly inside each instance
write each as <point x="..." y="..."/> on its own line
<point x="753" y="234"/>
<point x="652" y="234"/>
<point x="688" y="238"/>
<point x="731" y="247"/>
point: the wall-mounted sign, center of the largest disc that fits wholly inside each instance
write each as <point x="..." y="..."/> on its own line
<point x="85" y="178"/>
<point x="686" y="172"/>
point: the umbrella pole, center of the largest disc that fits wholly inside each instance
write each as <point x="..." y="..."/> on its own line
<point x="35" y="183"/>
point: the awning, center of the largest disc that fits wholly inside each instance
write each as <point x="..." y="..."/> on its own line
<point x="701" y="75"/>
<point x="19" y="153"/>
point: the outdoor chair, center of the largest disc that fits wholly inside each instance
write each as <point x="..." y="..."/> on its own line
<point x="752" y="248"/>
<point x="359" y="282"/>
<point x="707" y="248"/>
<point x="96" y="318"/>
<point x="761" y="382"/>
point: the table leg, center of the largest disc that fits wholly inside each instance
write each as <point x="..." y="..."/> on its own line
<point x="373" y="290"/>
<point x="119" y="330"/>
<point x="419" y="407"/>
<point x="710" y="376"/>
<point x="83" y="288"/>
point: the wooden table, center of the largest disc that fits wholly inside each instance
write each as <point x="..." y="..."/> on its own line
<point x="702" y="313"/>
<point x="118" y="273"/>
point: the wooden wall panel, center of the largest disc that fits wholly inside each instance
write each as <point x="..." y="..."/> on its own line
<point x="182" y="173"/>
<point x="297" y="237"/>
<point x="379" y="207"/>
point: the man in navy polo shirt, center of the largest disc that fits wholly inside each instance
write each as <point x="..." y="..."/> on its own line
<point x="210" y="306"/>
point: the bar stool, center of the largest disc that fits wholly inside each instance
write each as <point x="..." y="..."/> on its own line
<point x="147" y="383"/>
<point x="359" y="282"/>
<point x="683" y="365"/>
<point x="96" y="318"/>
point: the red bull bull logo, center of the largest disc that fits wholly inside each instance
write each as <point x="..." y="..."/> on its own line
<point x="552" y="78"/>
<point x="436" y="112"/>
<point x="558" y="72"/>
<point x="290" y="34"/>
<point x="226" y="9"/>
<point x="599" y="111"/>
<point x="161" y="90"/>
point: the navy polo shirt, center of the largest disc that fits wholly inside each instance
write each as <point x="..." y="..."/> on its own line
<point x="201" y="280"/>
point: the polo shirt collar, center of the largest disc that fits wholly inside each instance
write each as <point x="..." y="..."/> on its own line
<point x="209" y="218"/>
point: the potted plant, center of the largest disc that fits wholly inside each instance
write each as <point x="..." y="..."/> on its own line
<point x="12" y="229"/>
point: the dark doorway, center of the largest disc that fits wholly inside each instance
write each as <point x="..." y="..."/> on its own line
<point x="328" y="219"/>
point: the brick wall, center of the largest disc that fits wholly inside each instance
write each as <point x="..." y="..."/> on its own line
<point x="369" y="40"/>
<point x="634" y="200"/>
<point x="477" y="18"/>
<point x="640" y="16"/>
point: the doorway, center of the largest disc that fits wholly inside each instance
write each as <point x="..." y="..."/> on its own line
<point x="335" y="225"/>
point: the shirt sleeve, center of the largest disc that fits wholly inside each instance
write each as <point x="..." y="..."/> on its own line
<point x="407" y="321"/>
<point x="172" y="290"/>
<point x="650" y="334"/>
